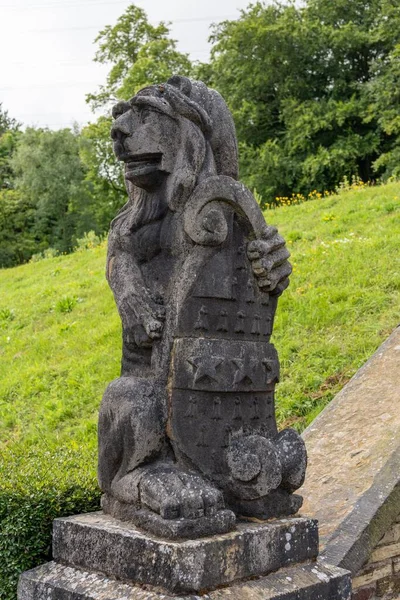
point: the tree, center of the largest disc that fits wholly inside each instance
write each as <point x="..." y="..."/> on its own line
<point x="139" y="54"/>
<point x="298" y="83"/>
<point x="49" y="175"/>
<point x="104" y="174"/>
<point x="384" y="96"/>
<point x="9" y="133"/>
<point x="17" y="241"/>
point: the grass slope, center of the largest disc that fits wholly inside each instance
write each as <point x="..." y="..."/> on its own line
<point x="60" y="346"/>
<point x="60" y="333"/>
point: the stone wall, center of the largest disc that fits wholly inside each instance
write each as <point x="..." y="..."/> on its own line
<point x="353" y="480"/>
<point x="380" y="576"/>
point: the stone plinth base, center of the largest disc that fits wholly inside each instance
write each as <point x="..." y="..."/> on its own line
<point x="98" y="542"/>
<point x="99" y="557"/>
<point x="313" y="581"/>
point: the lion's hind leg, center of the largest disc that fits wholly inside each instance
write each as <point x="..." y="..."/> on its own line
<point x="132" y="424"/>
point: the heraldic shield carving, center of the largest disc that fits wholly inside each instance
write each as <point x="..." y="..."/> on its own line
<point x="188" y="439"/>
<point x="223" y="376"/>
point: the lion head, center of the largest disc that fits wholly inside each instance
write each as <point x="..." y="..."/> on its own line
<point x="171" y="137"/>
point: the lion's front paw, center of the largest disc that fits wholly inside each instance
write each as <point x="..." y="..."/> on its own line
<point x="175" y="494"/>
<point x="269" y="260"/>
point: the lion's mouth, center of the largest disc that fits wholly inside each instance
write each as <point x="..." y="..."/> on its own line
<point x="141" y="164"/>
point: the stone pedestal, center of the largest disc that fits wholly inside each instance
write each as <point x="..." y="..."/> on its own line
<point x="100" y="558"/>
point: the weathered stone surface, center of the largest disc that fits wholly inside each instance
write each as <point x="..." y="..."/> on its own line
<point x="365" y="593"/>
<point x="312" y="581"/>
<point x="381" y="571"/>
<point x="188" y="431"/>
<point x="371" y="574"/>
<point x="100" y="543"/>
<point x="353" y="479"/>
<point x="188" y="440"/>
<point x="171" y="529"/>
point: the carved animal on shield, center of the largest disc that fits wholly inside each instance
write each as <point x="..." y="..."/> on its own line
<point x="187" y="435"/>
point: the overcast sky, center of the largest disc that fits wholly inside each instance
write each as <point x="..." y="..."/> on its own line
<point x="46" y="49"/>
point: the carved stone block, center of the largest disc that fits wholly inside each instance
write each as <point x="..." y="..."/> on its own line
<point x="97" y="542"/>
<point x="309" y="581"/>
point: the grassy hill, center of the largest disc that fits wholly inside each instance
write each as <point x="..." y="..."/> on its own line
<point x="60" y="333"/>
<point x="60" y="340"/>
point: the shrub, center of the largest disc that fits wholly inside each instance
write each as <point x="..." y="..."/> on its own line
<point x="89" y="240"/>
<point x="48" y="253"/>
<point x="36" y="486"/>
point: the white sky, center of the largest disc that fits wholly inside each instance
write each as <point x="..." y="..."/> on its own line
<point x="47" y="50"/>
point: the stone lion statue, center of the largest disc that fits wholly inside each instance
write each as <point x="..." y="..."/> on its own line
<point x="187" y="435"/>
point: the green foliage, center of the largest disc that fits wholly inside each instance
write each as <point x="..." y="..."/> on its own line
<point x="48" y="253"/>
<point x="89" y="240"/>
<point x="37" y="485"/>
<point x="9" y="132"/>
<point x="104" y="174"/>
<point x="65" y="304"/>
<point x="156" y="62"/>
<point x="343" y="296"/>
<point x="6" y="314"/>
<point x="17" y="218"/>
<point x="139" y="53"/>
<point x="384" y="95"/>
<point x="50" y="175"/>
<point x="313" y="90"/>
<point x="55" y="364"/>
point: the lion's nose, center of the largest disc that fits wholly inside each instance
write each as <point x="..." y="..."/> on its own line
<point x="118" y="134"/>
<point x="121" y="128"/>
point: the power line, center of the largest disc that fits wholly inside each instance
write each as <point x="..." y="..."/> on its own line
<point x="78" y="62"/>
<point x="46" y="114"/>
<point x="97" y="27"/>
<point x="49" y="85"/>
<point x="59" y="5"/>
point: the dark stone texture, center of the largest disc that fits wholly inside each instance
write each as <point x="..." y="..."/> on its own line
<point x="365" y="593"/>
<point x="188" y="441"/>
<point x="188" y="431"/>
<point x="313" y="581"/>
<point x="150" y="521"/>
<point x="275" y="504"/>
<point x="97" y="542"/>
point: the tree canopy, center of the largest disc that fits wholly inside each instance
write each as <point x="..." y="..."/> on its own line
<point x="308" y="88"/>
<point x="314" y="91"/>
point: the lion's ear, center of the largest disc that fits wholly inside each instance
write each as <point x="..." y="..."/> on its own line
<point x="182" y="83"/>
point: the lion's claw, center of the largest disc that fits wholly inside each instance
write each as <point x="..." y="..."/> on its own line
<point x="269" y="260"/>
<point x="178" y="494"/>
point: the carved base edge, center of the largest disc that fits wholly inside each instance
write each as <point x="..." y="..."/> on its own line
<point x="172" y="529"/>
<point x="98" y="542"/>
<point x="276" y="505"/>
<point x="312" y="581"/>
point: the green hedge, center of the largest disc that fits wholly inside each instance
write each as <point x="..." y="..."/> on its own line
<point x="36" y="486"/>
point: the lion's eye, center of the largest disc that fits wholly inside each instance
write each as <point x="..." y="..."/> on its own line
<point x="119" y="109"/>
<point x="145" y="115"/>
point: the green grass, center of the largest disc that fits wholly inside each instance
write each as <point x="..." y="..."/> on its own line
<point x="60" y="346"/>
<point x="344" y="296"/>
<point x="60" y="332"/>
